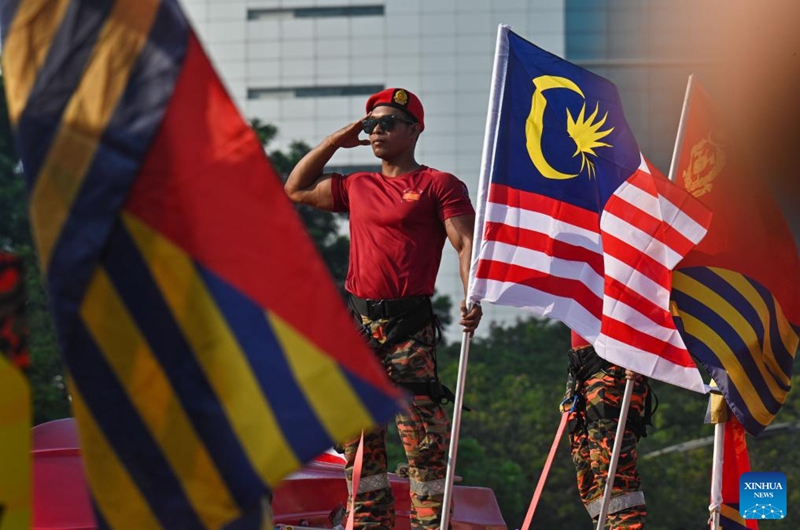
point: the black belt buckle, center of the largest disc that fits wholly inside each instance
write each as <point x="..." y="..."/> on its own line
<point x="377" y="309"/>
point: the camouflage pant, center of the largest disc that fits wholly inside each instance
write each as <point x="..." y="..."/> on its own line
<point x="592" y="441"/>
<point x="425" y="432"/>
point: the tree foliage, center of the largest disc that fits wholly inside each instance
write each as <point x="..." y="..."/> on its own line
<point x="46" y="372"/>
<point x="323" y="227"/>
<point x="515" y="382"/>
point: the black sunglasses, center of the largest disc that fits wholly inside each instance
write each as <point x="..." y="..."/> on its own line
<point x="387" y="123"/>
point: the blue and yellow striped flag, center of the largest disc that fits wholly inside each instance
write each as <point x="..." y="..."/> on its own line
<point x="737" y="293"/>
<point x="208" y="352"/>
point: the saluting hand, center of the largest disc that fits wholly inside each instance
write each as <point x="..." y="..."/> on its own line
<point x="347" y="136"/>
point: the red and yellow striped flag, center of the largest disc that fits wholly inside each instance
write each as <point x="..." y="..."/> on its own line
<point x="208" y="351"/>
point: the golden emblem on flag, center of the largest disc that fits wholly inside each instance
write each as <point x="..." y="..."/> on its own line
<point x="401" y="97"/>
<point x="706" y="162"/>
<point x="584" y="130"/>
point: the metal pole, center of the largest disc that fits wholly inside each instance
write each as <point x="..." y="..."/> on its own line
<point x="453" y="450"/>
<point x="612" y="469"/>
<point x="681" y="127"/>
<point x="495" y="95"/>
<point x="716" y="475"/>
<point x="489" y="145"/>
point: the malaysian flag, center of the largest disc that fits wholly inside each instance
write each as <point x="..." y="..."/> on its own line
<point x="574" y="223"/>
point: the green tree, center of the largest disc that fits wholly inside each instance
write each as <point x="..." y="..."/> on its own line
<point x="46" y="372"/>
<point x="323" y="227"/>
<point x="14" y="231"/>
<point x="515" y="382"/>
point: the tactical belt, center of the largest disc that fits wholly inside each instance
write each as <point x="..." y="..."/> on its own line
<point x="406" y="317"/>
<point x="385" y="309"/>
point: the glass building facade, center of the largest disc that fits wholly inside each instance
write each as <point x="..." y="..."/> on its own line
<point x="307" y="66"/>
<point x="648" y="49"/>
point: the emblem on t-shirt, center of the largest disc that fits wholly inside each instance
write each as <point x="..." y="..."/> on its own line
<point x="411" y="195"/>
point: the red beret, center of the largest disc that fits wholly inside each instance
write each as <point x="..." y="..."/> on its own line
<point x="399" y="98"/>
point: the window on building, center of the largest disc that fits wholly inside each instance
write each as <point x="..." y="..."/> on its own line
<point x="324" y="91"/>
<point x="316" y="12"/>
<point x="352" y="168"/>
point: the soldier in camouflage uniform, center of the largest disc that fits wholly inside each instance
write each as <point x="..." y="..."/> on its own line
<point x="594" y="395"/>
<point x="400" y="219"/>
<point x="424" y="431"/>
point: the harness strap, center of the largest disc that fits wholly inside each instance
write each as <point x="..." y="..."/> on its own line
<point x="356" y="483"/>
<point x="617" y="504"/>
<point x="650" y="407"/>
<point x="546" y="471"/>
<point x="434" y="389"/>
<point x="583" y="364"/>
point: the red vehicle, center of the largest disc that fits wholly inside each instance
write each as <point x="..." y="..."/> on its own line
<point x="308" y="498"/>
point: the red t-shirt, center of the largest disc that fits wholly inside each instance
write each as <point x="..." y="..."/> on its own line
<point x="578" y="341"/>
<point x="397" y="229"/>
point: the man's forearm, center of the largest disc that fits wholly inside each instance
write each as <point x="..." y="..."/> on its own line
<point x="464" y="259"/>
<point x="310" y="167"/>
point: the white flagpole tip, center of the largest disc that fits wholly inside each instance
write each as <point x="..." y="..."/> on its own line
<point x="496" y="88"/>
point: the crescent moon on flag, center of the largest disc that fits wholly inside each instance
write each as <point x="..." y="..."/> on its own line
<point x="534" y="126"/>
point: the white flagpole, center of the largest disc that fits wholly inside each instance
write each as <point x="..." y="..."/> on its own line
<point x="458" y="402"/>
<point x="673" y="166"/>
<point x="612" y="467"/>
<point x="716" y="475"/>
<point x="487" y="161"/>
<point x="719" y="428"/>
<point x="489" y="145"/>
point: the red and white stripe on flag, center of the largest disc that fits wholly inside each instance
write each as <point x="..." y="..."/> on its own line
<point x="607" y="276"/>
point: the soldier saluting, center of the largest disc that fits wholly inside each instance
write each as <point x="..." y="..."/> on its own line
<point x="400" y="218"/>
